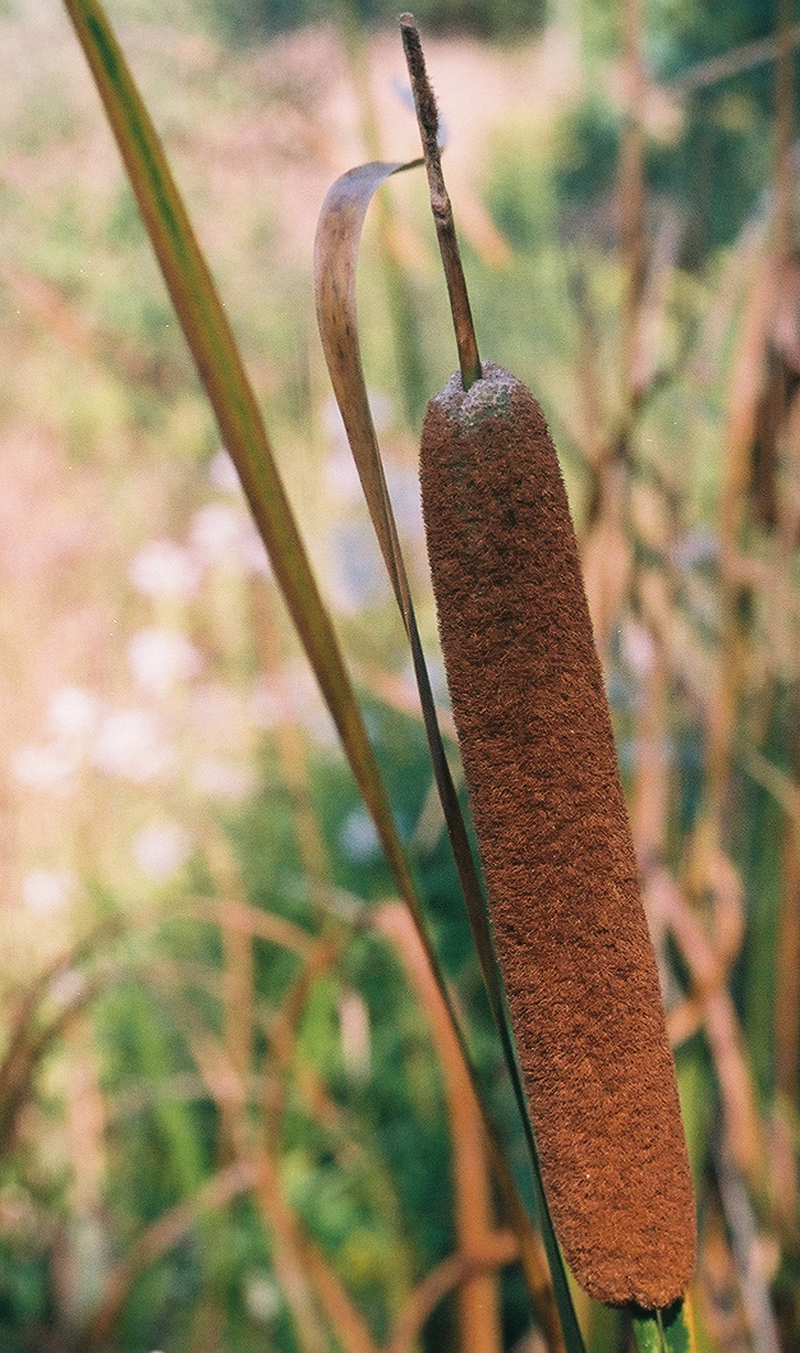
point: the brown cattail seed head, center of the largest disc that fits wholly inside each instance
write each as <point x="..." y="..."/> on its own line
<point x="538" y="751"/>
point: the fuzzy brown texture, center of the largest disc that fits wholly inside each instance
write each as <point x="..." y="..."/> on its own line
<point x="541" y="768"/>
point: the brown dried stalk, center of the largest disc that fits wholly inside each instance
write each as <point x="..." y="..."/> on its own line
<point x="428" y="119"/>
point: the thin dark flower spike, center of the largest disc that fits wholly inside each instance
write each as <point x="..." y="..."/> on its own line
<point x="428" y="119"/>
<point x="539" y="758"/>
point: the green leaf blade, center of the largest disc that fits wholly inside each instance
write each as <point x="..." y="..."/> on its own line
<point x="670" y="1331"/>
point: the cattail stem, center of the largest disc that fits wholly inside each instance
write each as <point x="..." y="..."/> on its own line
<point x="428" y="119"/>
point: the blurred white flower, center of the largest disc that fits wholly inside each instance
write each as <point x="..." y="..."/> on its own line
<point x="161" y="849"/>
<point x="354" y="1028"/>
<point x="216" y="531"/>
<point x="262" y="1297"/>
<point x="224" y="533"/>
<point x="68" y="988"/>
<point x="129" y="744"/>
<point x="51" y="769"/>
<point x="160" y="658"/>
<point x="637" y="648"/>
<point x="72" y="712"/>
<point x="218" y="779"/>
<point x="47" y="891"/>
<point x="358" y="837"/>
<point x="223" y="473"/>
<point x="163" y="568"/>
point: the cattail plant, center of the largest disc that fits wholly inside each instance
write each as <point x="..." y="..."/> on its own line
<point x="559" y="864"/>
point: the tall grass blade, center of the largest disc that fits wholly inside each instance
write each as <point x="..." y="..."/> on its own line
<point x="210" y="339"/>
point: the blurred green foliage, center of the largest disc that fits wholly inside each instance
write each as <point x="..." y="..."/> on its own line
<point x="711" y="158"/>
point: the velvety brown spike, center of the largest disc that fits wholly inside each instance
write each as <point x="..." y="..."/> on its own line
<point x="541" y="769"/>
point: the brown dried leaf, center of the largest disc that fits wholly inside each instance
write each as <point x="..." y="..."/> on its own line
<point x="709" y="972"/>
<point x="335" y="259"/>
<point x="607" y="560"/>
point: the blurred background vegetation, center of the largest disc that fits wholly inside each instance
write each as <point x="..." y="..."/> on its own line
<point x="200" y="950"/>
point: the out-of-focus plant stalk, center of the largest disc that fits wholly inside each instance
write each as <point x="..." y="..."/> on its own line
<point x="651" y="791"/>
<point x="606" y="557"/>
<point x="217" y="1192"/>
<point x="237" y="987"/>
<point x="744" y="390"/>
<point x="479" y="1316"/>
<point x="290" y="745"/>
<point x="784" y="130"/>
<point x="787" y="989"/>
<point x="632" y="192"/>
